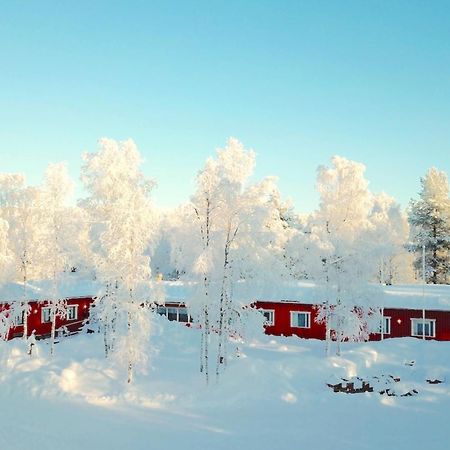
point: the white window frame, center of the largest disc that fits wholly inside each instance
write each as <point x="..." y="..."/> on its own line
<point x="415" y="321"/>
<point x="308" y="319"/>
<point x="49" y="309"/>
<point x="271" y="321"/>
<point x="75" y="307"/>
<point x="385" y="325"/>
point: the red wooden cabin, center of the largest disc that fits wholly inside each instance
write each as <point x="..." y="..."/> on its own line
<point x="40" y="321"/>
<point x="299" y="319"/>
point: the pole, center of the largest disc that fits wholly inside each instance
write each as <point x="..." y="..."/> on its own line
<point x="423" y="292"/>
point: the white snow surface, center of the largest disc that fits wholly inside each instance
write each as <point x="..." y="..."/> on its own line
<point x="69" y="286"/>
<point x="273" y="395"/>
<point x="410" y="296"/>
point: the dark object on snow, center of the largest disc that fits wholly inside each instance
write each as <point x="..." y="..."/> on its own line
<point x="89" y="331"/>
<point x="410" y="393"/>
<point x="434" y="381"/>
<point x="349" y="387"/>
<point x="396" y="379"/>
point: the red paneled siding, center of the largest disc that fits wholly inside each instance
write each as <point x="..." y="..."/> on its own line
<point x="282" y="319"/>
<point x="400" y="321"/>
<point x="44" y="329"/>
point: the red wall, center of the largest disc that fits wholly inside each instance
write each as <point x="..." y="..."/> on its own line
<point x="44" y="329"/>
<point x="400" y="321"/>
<point x="282" y="320"/>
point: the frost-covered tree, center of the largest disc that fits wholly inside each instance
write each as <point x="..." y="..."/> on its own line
<point x="123" y="223"/>
<point x="231" y="234"/>
<point x="161" y="262"/>
<point x="342" y="259"/>
<point x="388" y="238"/>
<point x="4" y="251"/>
<point x="430" y="222"/>
<point x="58" y="232"/>
<point x="20" y="207"/>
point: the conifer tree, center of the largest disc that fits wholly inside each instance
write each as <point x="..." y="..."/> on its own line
<point x="429" y="217"/>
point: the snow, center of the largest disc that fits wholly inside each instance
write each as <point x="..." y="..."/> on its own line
<point x="273" y="395"/>
<point x="408" y="296"/>
<point x="70" y="286"/>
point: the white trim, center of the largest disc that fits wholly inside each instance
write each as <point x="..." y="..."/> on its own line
<point x="418" y="321"/>
<point x="271" y="321"/>
<point x="308" y="319"/>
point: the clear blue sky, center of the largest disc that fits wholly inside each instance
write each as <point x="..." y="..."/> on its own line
<point x="296" y="81"/>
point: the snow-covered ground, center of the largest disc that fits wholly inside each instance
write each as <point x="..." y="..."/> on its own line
<point x="273" y="395"/>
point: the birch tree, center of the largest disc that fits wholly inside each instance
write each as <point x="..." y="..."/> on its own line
<point x="19" y="206"/>
<point x="231" y="227"/>
<point x="5" y="276"/>
<point x="123" y="223"/>
<point x="58" y="234"/>
<point x="388" y="237"/>
<point x="342" y="261"/>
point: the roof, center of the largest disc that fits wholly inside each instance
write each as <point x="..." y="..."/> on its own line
<point x="412" y="296"/>
<point x="69" y="286"/>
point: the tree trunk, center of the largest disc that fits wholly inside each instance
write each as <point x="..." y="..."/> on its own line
<point x="53" y="332"/>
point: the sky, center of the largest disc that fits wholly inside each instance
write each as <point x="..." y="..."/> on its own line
<point x="297" y="81"/>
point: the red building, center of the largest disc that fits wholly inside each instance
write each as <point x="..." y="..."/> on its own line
<point x="402" y="313"/>
<point x="39" y="319"/>
<point x="299" y="319"/>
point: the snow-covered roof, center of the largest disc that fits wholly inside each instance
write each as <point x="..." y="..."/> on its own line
<point x="412" y="296"/>
<point x="69" y="286"/>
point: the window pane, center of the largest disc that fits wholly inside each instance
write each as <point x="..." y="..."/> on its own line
<point x="183" y="315"/>
<point x="161" y="310"/>
<point x="46" y="315"/>
<point x="172" y="313"/>
<point x="419" y="326"/>
<point x="301" y="320"/>
<point x="268" y="316"/>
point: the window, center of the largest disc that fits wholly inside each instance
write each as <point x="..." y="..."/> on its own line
<point x="183" y="315"/>
<point x="172" y="313"/>
<point x="72" y="312"/>
<point x="419" y="327"/>
<point x="300" y="319"/>
<point x="269" y="315"/>
<point x="161" y="310"/>
<point x="385" y="325"/>
<point x="18" y="319"/>
<point x="177" y="314"/>
<point x="46" y="315"/>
